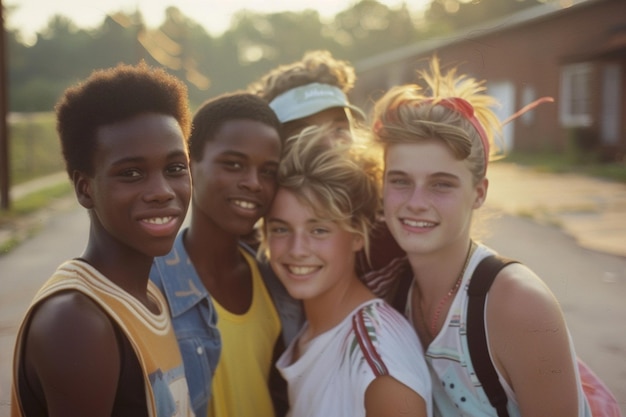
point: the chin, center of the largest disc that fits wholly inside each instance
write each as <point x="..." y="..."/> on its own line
<point x="162" y="249"/>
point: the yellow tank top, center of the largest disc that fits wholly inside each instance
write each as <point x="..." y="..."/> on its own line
<point x="240" y="384"/>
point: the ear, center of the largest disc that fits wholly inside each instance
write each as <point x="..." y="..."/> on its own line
<point x="357" y="242"/>
<point x="83" y="189"/>
<point x="481" y="192"/>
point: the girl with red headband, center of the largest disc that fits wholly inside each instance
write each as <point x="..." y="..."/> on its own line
<point x="437" y="148"/>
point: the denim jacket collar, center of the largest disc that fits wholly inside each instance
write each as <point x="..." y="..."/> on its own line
<point x="184" y="292"/>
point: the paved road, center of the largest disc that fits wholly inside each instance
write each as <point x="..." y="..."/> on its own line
<point x="588" y="276"/>
<point x="25" y="269"/>
<point x="590" y="286"/>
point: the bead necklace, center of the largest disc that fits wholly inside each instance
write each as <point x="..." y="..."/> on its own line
<point x="446" y="298"/>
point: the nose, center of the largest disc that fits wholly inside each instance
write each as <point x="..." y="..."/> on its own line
<point x="250" y="181"/>
<point x="418" y="199"/>
<point x="159" y="190"/>
<point x="299" y="247"/>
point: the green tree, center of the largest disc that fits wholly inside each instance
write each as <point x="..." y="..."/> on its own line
<point x="369" y="28"/>
<point x="457" y="14"/>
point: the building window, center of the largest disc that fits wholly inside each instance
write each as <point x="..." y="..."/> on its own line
<point x="575" y="108"/>
<point x="528" y="96"/>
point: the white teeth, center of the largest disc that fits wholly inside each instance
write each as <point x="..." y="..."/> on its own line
<point x="414" y="223"/>
<point x="159" y="220"/>
<point x="245" y="204"/>
<point x="301" y="270"/>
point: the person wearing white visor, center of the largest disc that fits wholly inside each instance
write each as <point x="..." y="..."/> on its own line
<point x="312" y="91"/>
<point x="314" y="104"/>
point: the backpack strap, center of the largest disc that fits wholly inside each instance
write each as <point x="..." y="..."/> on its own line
<point x="481" y="281"/>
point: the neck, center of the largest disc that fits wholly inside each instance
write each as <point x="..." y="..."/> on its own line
<point x="128" y="269"/>
<point x="435" y="290"/>
<point x="328" y="310"/>
<point x="436" y="273"/>
<point x="211" y="250"/>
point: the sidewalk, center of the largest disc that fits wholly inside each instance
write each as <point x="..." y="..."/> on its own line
<point x="22" y="228"/>
<point x="592" y="211"/>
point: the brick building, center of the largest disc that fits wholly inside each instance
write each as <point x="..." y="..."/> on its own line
<point x="575" y="54"/>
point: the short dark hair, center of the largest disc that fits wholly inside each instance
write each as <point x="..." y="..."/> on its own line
<point x="114" y="95"/>
<point x="230" y="106"/>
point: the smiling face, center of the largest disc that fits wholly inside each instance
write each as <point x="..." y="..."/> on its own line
<point x="429" y="197"/>
<point x="141" y="185"/>
<point x="235" y="180"/>
<point x="312" y="256"/>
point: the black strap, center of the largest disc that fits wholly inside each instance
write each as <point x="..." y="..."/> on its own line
<point x="481" y="281"/>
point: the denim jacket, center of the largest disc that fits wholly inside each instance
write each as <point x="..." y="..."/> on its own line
<point x="195" y="319"/>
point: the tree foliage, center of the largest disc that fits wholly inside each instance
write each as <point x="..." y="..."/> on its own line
<point x="64" y="53"/>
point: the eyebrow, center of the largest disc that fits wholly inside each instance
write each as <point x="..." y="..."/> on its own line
<point x="136" y="159"/>
<point x="310" y="221"/>
<point x="242" y="155"/>
<point x="395" y="172"/>
<point x="439" y="174"/>
<point x="444" y="175"/>
<point x="275" y="220"/>
<point x="230" y="152"/>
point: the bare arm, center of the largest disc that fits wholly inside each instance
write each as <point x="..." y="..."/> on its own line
<point x="388" y="397"/>
<point x="530" y="344"/>
<point x="72" y="354"/>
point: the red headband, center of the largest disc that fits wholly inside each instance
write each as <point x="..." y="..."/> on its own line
<point x="462" y="106"/>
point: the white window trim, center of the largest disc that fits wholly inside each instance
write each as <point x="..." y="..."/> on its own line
<point x="567" y="118"/>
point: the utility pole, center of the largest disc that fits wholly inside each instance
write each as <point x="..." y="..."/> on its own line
<point x="5" y="202"/>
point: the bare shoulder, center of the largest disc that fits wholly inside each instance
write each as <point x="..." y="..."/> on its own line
<point x="71" y="352"/>
<point x="67" y="319"/>
<point x="530" y="344"/>
<point x="386" y="396"/>
<point x="519" y="296"/>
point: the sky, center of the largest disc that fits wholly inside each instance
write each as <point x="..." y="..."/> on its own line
<point x="31" y="16"/>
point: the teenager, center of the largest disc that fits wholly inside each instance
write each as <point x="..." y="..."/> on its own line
<point x="355" y="355"/>
<point x="97" y="339"/>
<point x="218" y="297"/>
<point x="313" y="91"/>
<point x="437" y="144"/>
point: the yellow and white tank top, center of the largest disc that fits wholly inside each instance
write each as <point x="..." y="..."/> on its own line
<point x="151" y="336"/>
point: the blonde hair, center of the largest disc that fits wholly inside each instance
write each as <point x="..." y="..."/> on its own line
<point x="339" y="179"/>
<point x="315" y="67"/>
<point x="408" y="113"/>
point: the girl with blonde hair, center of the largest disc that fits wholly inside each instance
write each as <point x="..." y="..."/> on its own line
<point x="438" y="141"/>
<point x="355" y="355"/>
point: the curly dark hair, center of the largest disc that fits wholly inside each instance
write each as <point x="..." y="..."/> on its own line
<point x="114" y="95"/>
<point x="315" y="67"/>
<point x="230" y="106"/>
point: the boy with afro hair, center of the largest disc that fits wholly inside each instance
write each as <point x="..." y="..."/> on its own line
<point x="97" y="339"/>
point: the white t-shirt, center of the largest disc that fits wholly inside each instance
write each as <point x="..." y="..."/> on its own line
<point x="333" y="372"/>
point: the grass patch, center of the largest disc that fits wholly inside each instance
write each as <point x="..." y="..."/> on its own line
<point x="565" y="163"/>
<point x="34" y="147"/>
<point x="34" y="201"/>
<point x="7" y="246"/>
